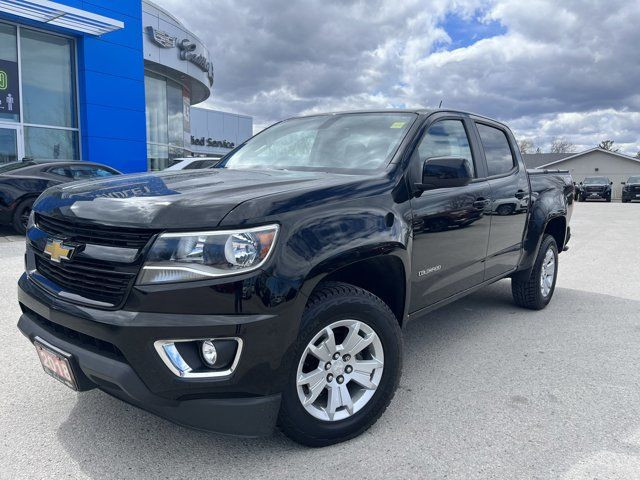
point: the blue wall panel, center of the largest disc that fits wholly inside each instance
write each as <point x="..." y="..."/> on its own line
<point x="125" y="91"/>
<point x="111" y="88"/>
<point x="110" y="85"/>
<point x="123" y="155"/>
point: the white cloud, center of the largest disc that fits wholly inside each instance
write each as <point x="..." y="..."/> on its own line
<point x="567" y="68"/>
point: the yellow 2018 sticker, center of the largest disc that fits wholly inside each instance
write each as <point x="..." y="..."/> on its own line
<point x="397" y="125"/>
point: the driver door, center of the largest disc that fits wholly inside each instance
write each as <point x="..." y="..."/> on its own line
<point x="450" y="228"/>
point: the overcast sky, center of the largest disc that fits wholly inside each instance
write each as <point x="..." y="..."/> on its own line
<point x="549" y="68"/>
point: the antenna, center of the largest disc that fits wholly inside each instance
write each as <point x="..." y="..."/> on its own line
<point x="440" y="105"/>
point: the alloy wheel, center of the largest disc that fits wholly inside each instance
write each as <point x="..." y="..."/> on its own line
<point x="548" y="273"/>
<point x="340" y="370"/>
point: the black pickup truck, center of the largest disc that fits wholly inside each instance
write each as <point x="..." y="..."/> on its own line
<point x="273" y="289"/>
<point x="595" y="188"/>
<point x="631" y="189"/>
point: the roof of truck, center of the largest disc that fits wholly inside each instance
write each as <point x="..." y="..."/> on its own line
<point x="418" y="111"/>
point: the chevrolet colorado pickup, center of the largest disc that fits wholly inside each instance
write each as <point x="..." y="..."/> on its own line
<point x="273" y="289"/>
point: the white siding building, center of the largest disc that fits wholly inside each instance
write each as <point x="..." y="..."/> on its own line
<point x="215" y="133"/>
<point x="595" y="162"/>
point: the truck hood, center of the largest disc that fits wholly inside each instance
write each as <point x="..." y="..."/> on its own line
<point x="191" y="199"/>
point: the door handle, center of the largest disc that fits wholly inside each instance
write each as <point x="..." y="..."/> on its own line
<point x="520" y="194"/>
<point x="480" y="203"/>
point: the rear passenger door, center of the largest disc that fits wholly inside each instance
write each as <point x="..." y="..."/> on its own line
<point x="509" y="185"/>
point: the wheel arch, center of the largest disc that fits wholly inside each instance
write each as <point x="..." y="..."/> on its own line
<point x="557" y="228"/>
<point x="383" y="275"/>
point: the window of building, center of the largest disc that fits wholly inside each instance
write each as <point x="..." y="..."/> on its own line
<point x="446" y="138"/>
<point x="8" y="57"/>
<point x="166" y="123"/>
<point x="496" y="150"/>
<point x="50" y="143"/>
<point x="48" y="79"/>
<point x="43" y="107"/>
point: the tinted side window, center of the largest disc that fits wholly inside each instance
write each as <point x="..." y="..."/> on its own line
<point x="80" y="172"/>
<point x="446" y="138"/>
<point x="62" y="171"/>
<point x="199" y="164"/>
<point x="496" y="150"/>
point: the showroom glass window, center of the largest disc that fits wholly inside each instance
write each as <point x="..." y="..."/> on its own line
<point x="49" y="96"/>
<point x="8" y="53"/>
<point x="47" y="122"/>
<point x="166" y="124"/>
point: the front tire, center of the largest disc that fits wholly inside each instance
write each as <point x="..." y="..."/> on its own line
<point x="535" y="292"/>
<point x="346" y="368"/>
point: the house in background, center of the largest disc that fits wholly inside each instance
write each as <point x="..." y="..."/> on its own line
<point x="595" y="162"/>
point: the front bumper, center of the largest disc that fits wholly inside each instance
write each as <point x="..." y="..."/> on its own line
<point x="596" y="194"/>
<point x="113" y="351"/>
<point x="635" y="195"/>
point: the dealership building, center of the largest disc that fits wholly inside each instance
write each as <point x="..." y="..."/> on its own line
<point x="109" y="81"/>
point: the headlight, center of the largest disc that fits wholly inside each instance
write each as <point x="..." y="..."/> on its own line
<point x="183" y="257"/>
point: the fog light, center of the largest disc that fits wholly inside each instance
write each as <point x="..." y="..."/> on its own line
<point x="209" y="353"/>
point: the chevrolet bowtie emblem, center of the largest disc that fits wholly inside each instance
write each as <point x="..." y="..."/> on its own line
<point x="57" y="250"/>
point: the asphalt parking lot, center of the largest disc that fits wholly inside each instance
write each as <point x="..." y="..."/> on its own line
<point x="488" y="391"/>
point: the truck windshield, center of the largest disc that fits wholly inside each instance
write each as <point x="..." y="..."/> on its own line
<point x="342" y="142"/>
<point x="634" y="180"/>
<point x="596" y="181"/>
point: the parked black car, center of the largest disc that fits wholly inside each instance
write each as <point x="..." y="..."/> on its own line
<point x="22" y="182"/>
<point x="273" y="288"/>
<point x="577" y="191"/>
<point x="595" y="188"/>
<point x="631" y="190"/>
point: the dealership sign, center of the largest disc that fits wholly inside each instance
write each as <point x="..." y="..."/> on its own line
<point x="160" y="38"/>
<point x="210" y="142"/>
<point x="9" y="90"/>
<point x="187" y="50"/>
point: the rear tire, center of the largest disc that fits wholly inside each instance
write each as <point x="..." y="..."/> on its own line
<point x="335" y="303"/>
<point x="609" y="199"/>
<point x="21" y="216"/>
<point x="535" y="292"/>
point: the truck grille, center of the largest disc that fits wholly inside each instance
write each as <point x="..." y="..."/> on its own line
<point x="594" y="189"/>
<point x="80" y="339"/>
<point x="635" y="188"/>
<point x="95" y="234"/>
<point x="89" y="279"/>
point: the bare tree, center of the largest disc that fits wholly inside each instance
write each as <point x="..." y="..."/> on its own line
<point x="526" y="145"/>
<point x="562" y="145"/>
<point x="608" y="145"/>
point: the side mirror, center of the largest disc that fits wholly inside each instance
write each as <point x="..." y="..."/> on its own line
<point x="445" y="172"/>
<point x="623" y="183"/>
<point x="610" y="183"/>
<point x="580" y="183"/>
